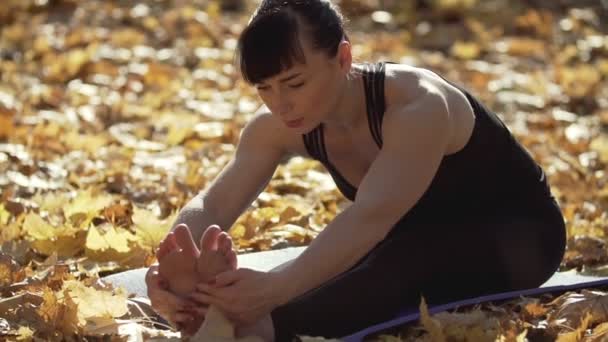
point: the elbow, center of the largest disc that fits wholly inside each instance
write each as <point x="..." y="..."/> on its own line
<point x="377" y="223"/>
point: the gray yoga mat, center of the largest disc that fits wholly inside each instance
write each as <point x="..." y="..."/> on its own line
<point x="133" y="280"/>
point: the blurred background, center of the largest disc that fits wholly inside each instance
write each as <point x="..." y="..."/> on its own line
<point x="113" y="114"/>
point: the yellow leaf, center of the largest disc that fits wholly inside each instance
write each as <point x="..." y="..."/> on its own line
<point x="90" y="143"/>
<point x="600" y="145"/>
<point x="4" y="215"/>
<point x="87" y="203"/>
<point x="112" y="238"/>
<point x="65" y="245"/>
<point x="37" y="229"/>
<point x="25" y="334"/>
<point x="46" y="239"/>
<point x="600" y="331"/>
<point x="465" y="50"/>
<point x="51" y="202"/>
<point x="93" y="303"/>
<point x="578" y="333"/>
<point x="149" y="230"/>
<point x="432" y="326"/>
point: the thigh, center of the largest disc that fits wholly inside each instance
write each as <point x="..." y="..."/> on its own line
<point x="440" y="261"/>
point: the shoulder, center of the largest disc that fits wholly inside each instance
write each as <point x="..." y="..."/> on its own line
<point x="404" y="84"/>
<point x="415" y="101"/>
<point x="264" y="129"/>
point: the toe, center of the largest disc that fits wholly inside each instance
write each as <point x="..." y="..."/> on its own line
<point x="222" y="240"/>
<point x="184" y="240"/>
<point x="209" y="239"/>
<point x="226" y="249"/>
<point x="166" y="246"/>
<point x="226" y="245"/>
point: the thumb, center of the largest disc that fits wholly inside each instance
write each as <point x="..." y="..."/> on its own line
<point x="227" y="278"/>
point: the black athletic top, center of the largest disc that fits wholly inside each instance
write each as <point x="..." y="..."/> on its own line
<point x="493" y="170"/>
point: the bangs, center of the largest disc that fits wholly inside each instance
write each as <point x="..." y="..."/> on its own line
<point x="269" y="45"/>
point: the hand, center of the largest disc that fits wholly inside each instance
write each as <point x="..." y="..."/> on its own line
<point x="244" y="295"/>
<point x="178" y="311"/>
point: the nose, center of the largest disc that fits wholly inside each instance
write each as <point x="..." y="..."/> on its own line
<point x="283" y="105"/>
<point x="283" y="108"/>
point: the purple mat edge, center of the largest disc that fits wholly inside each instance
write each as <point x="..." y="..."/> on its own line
<point x="414" y="314"/>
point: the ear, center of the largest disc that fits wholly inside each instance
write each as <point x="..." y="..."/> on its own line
<point x="345" y="56"/>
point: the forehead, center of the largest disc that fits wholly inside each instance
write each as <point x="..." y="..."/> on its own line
<point x="313" y="61"/>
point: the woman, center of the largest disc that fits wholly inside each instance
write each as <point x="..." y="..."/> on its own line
<point x="446" y="203"/>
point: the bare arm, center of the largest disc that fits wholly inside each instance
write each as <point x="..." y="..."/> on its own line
<point x="240" y="182"/>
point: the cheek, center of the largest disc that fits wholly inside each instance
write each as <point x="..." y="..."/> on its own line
<point x="318" y="97"/>
<point x="263" y="97"/>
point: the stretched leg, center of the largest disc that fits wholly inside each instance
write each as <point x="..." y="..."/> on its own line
<point x="441" y="261"/>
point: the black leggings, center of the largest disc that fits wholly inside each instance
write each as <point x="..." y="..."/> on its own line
<point x="443" y="262"/>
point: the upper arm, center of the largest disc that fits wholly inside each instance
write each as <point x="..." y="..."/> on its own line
<point x="257" y="156"/>
<point x="415" y="140"/>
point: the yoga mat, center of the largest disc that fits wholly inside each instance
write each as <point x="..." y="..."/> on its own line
<point x="560" y="282"/>
<point x="134" y="280"/>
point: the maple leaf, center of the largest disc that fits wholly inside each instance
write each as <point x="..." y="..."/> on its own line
<point x="116" y="239"/>
<point x="85" y="206"/>
<point x="59" y="312"/>
<point x="150" y="230"/>
<point x="65" y="240"/>
<point x="93" y="303"/>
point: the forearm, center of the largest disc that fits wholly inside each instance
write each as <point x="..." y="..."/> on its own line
<point x="198" y="216"/>
<point x="347" y="239"/>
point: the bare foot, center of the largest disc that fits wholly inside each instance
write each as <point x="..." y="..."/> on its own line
<point x="183" y="265"/>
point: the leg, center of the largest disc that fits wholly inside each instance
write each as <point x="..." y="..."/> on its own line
<point x="441" y="261"/>
<point x="263" y="328"/>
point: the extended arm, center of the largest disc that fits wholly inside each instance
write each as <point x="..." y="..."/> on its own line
<point x="240" y="182"/>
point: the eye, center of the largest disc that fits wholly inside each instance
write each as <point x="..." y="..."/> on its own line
<point x="295" y="86"/>
<point x="263" y="87"/>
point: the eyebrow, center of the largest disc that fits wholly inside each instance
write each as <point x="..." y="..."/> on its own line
<point x="285" y="79"/>
<point x="290" y="77"/>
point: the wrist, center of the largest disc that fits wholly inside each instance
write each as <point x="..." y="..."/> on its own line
<point x="285" y="286"/>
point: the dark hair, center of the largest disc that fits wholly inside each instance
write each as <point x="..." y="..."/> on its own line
<point x="270" y="43"/>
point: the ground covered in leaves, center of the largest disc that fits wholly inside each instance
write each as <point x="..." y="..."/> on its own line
<point x="113" y="114"/>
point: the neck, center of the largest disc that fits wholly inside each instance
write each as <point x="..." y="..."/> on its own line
<point x="350" y="106"/>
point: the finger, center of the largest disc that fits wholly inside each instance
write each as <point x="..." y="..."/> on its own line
<point x="184" y="240"/>
<point x="209" y="239"/>
<point x="196" y="311"/>
<point x="182" y="317"/>
<point x="200" y="311"/>
<point x="226" y="278"/>
<point x="160" y="298"/>
<point x="200" y="298"/>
